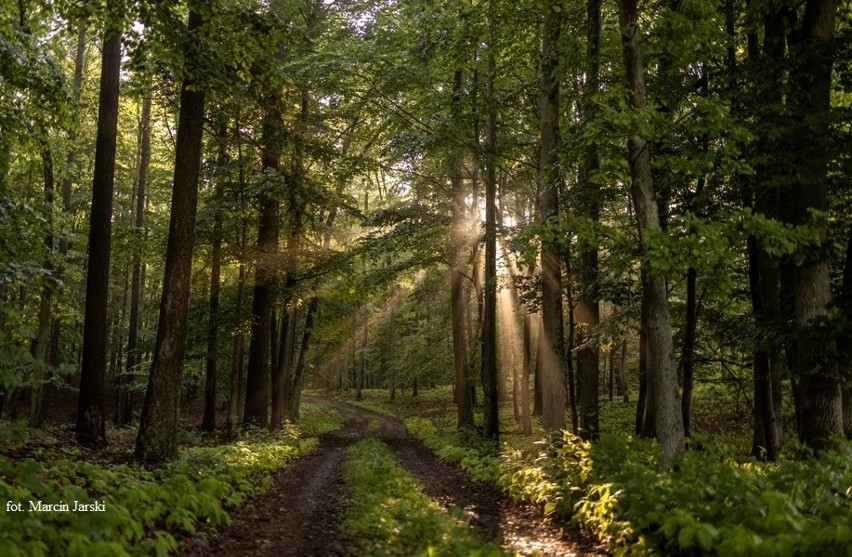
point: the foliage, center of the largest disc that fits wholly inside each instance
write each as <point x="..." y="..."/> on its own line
<point x="143" y="508"/>
<point x="390" y="515"/>
<point x="713" y="501"/>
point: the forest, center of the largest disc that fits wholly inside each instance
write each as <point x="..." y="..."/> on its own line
<point x="426" y="277"/>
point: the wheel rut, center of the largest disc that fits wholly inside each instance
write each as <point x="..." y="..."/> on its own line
<point x="302" y="511"/>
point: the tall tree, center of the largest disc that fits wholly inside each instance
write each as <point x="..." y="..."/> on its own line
<point x="815" y="370"/>
<point x="124" y="412"/>
<point x="458" y="299"/>
<point x="491" y="422"/>
<point x="41" y="344"/>
<point x="90" y="413"/>
<point x="661" y="371"/>
<point x="587" y="310"/>
<point x="551" y="344"/>
<point x="157" y="439"/>
<point x="208" y="421"/>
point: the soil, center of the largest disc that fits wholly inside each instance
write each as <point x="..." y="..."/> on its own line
<point x="301" y="512"/>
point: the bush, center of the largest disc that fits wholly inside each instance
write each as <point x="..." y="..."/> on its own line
<point x="142" y="507"/>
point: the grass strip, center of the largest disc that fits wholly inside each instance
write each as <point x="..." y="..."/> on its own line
<point x="390" y="514"/>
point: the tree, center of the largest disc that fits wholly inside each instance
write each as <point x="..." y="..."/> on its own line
<point x="124" y="406"/>
<point x="458" y="300"/>
<point x="815" y="363"/>
<point x="490" y="379"/>
<point x="90" y="413"/>
<point x="587" y="310"/>
<point x="551" y="343"/>
<point x="158" y="426"/>
<point x="663" y="381"/>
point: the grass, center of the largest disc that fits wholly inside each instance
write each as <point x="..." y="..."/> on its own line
<point x="716" y="500"/>
<point x="389" y="513"/>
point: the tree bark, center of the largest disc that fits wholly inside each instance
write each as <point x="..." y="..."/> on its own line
<point x="844" y="341"/>
<point x="91" y="410"/>
<point x="587" y="310"/>
<point x="491" y="422"/>
<point x="662" y="376"/>
<point x="552" y="344"/>
<point x="208" y="422"/>
<point x="816" y="349"/>
<point x="687" y="356"/>
<point x="258" y="372"/>
<point x="458" y="241"/>
<point x="41" y="344"/>
<point x="125" y="400"/>
<point x="158" y="427"/>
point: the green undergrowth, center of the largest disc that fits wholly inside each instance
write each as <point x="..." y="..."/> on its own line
<point x="143" y="509"/>
<point x="714" y="501"/>
<point x="389" y="514"/>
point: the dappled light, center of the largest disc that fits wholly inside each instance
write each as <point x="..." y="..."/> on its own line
<point x="400" y="277"/>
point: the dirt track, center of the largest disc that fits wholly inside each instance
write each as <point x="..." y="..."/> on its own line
<point x="301" y="512"/>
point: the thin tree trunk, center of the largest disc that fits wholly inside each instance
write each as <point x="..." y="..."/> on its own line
<point x="208" y="422"/>
<point x="587" y="310"/>
<point x="844" y="340"/>
<point x="258" y="373"/>
<point x="237" y="391"/>
<point x="687" y="357"/>
<point x="125" y="400"/>
<point x="662" y="375"/>
<point x="623" y="385"/>
<point x="158" y="426"/>
<point x="464" y="403"/>
<point x="526" y="414"/>
<point x="91" y="412"/>
<point x="41" y="344"/>
<point x="552" y="380"/>
<point x="491" y="421"/>
<point x="574" y="386"/>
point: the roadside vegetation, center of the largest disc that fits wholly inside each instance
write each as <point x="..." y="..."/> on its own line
<point x="715" y="500"/>
<point x="145" y="508"/>
<point x="389" y="513"/>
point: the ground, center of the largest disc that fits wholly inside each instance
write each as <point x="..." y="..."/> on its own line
<point x="300" y="514"/>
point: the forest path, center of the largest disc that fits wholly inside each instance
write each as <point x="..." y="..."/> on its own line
<point x="301" y="512"/>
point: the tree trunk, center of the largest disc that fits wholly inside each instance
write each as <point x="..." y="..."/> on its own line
<point x="623" y="385"/>
<point x="687" y="356"/>
<point x="125" y="401"/>
<point x="258" y="373"/>
<point x="526" y="415"/>
<point x="552" y="345"/>
<point x="158" y="426"/>
<point x="587" y="310"/>
<point x="91" y="411"/>
<point x="41" y="344"/>
<point x="816" y="350"/>
<point x="208" y="422"/>
<point x="491" y="421"/>
<point x="459" y="240"/>
<point x="237" y="390"/>
<point x="844" y="340"/>
<point x="662" y="375"/>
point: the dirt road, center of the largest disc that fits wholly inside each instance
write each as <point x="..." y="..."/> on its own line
<point x="300" y="514"/>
